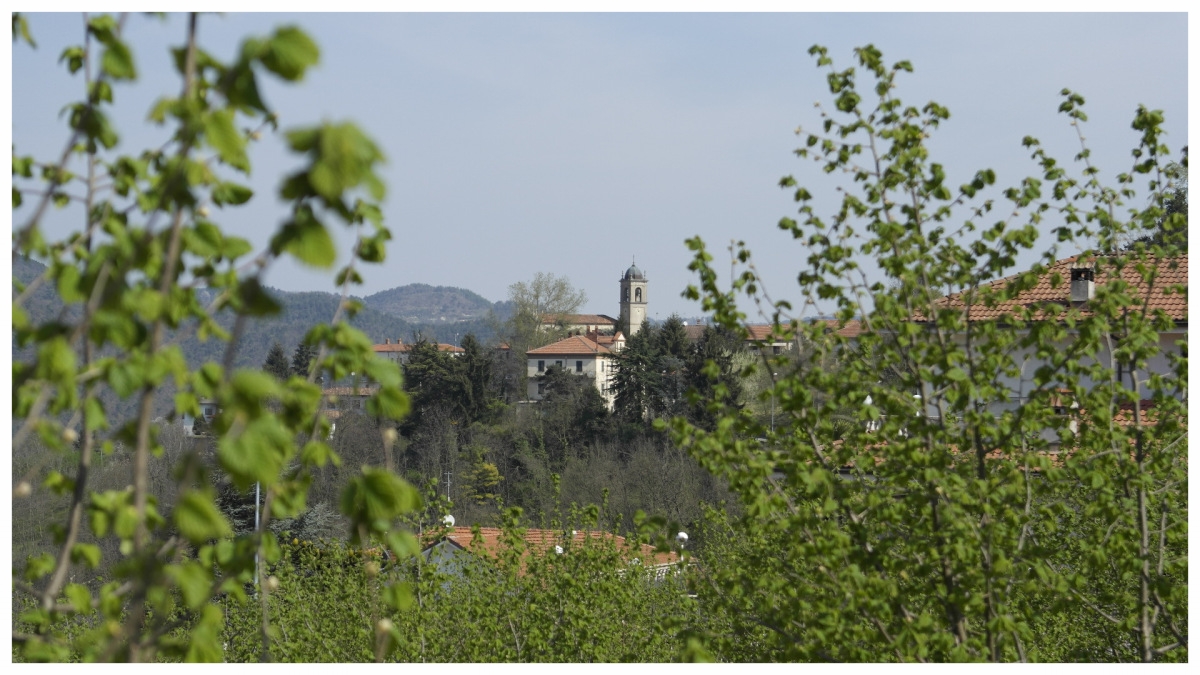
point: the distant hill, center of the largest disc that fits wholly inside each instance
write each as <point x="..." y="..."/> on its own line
<point x="432" y="305"/>
<point x="441" y="314"/>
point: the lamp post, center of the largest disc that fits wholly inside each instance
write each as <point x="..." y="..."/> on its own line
<point x="773" y="376"/>
<point x="256" y="528"/>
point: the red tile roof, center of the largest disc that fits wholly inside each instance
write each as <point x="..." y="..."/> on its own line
<point x="406" y="347"/>
<point x="763" y="332"/>
<point x="852" y="329"/>
<point x="580" y="319"/>
<point x="542" y="541"/>
<point x="1169" y="291"/>
<point x="605" y="340"/>
<point x="576" y="345"/>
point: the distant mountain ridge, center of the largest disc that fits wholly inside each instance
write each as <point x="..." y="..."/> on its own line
<point x="425" y="304"/>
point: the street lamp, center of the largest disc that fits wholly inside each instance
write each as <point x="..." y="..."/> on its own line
<point x="773" y="376"/>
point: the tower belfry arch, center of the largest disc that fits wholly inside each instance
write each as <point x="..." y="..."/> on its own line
<point x="634" y="298"/>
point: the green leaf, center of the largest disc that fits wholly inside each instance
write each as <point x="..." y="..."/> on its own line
<point x="231" y="193"/>
<point x="402" y="543"/>
<point x="117" y="61"/>
<point x="21" y="29"/>
<point x="58" y="483"/>
<point x="307" y="239"/>
<point x="79" y="597"/>
<point x="375" y="497"/>
<point x="318" y="454"/>
<point x="86" y="554"/>
<point x="74" y="58"/>
<point x="204" y="644"/>
<point x="194" y="582"/>
<point x="223" y="136"/>
<point x="38" y="566"/>
<point x="398" y="596"/>
<point x="289" y="52"/>
<point x="198" y="518"/>
<point x="94" y="417"/>
<point x="68" y="285"/>
<point x="390" y="403"/>
<point x="255" y="301"/>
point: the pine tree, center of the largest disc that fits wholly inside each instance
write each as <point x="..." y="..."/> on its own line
<point x="302" y="359"/>
<point x="277" y="363"/>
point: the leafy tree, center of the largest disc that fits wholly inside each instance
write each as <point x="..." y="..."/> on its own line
<point x="277" y="363"/>
<point x="572" y="412"/>
<point x="537" y="301"/>
<point x="483" y="479"/>
<point x="713" y="372"/>
<point x="1171" y="227"/>
<point x="147" y="239"/>
<point x="951" y="522"/>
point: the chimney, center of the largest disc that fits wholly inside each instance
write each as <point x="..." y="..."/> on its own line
<point x="1083" y="283"/>
<point x="387" y="341"/>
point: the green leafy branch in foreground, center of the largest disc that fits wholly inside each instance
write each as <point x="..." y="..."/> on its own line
<point x="148" y="239"/>
<point x="961" y="517"/>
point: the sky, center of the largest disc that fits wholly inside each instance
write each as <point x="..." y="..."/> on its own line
<point x="577" y="143"/>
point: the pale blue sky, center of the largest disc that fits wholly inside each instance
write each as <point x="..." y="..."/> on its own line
<point x="570" y="143"/>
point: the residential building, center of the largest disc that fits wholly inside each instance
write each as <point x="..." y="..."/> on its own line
<point x="398" y="351"/>
<point x="338" y="399"/>
<point x="208" y="410"/>
<point x="581" y="324"/>
<point x="577" y="355"/>
<point x="1072" y="283"/>
<point x="763" y="337"/>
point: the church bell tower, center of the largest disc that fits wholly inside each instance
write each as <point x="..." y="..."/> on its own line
<point x="633" y="300"/>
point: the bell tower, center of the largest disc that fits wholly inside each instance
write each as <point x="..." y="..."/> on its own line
<point x="633" y="300"/>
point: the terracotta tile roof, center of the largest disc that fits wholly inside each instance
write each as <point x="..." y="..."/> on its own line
<point x="576" y="345"/>
<point x="1054" y="288"/>
<point x="542" y="541"/>
<point x="852" y="329"/>
<point x="580" y="319"/>
<point x="763" y="332"/>
<point x="406" y="347"/>
<point x="605" y="340"/>
<point x="392" y="347"/>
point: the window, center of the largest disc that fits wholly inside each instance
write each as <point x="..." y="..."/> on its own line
<point x="579" y="366"/>
<point x="541" y="366"/>
<point x="558" y="363"/>
<point x="541" y="388"/>
<point x="637" y="295"/>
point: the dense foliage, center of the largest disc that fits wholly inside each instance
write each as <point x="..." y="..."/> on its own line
<point x="862" y="496"/>
<point x="958" y="518"/>
<point x="146" y="241"/>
